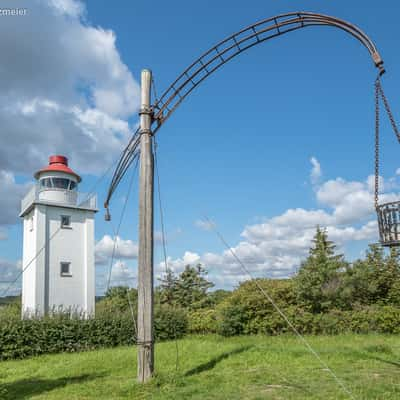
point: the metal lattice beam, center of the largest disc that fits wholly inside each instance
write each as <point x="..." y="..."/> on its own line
<point x="219" y="55"/>
<point x="232" y="46"/>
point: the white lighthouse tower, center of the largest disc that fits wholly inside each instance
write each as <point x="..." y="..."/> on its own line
<point x="58" y="249"/>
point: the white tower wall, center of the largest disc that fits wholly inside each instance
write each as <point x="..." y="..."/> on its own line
<point x="47" y="243"/>
<point x="28" y="260"/>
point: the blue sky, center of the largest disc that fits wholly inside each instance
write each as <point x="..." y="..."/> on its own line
<point x="239" y="148"/>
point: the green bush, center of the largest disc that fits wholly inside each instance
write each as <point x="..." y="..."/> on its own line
<point x="60" y="333"/>
<point x="248" y="311"/>
<point x="231" y="319"/>
<point x="384" y="319"/>
<point x="387" y="320"/>
<point x="169" y="322"/>
<point x="202" y="321"/>
<point x="10" y="311"/>
<point x="24" y="338"/>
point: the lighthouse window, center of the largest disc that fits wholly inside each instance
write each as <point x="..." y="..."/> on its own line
<point x="61" y="183"/>
<point x="65" y="221"/>
<point x="46" y="183"/>
<point x="65" y="269"/>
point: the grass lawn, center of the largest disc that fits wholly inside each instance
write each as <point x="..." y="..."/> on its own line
<point x="212" y="367"/>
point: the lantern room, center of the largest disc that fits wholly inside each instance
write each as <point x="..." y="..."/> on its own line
<point x="57" y="182"/>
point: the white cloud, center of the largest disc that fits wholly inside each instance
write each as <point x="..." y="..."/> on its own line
<point x="126" y="249"/>
<point x="204" y="225"/>
<point x="275" y="247"/>
<point x="71" y="94"/>
<point x="65" y="90"/>
<point x="316" y="171"/>
<point x="332" y="192"/>
<point x="72" y="8"/>
<point x="13" y="192"/>
<point x="352" y="201"/>
<point x="178" y="265"/>
<point x="9" y="271"/>
<point x="340" y="236"/>
<point x="122" y="275"/>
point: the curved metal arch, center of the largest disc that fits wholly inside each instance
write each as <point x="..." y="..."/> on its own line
<point x="219" y="55"/>
<point x="237" y="43"/>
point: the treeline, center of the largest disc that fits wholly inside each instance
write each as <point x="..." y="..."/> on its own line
<point x="326" y="281"/>
<point x="327" y="295"/>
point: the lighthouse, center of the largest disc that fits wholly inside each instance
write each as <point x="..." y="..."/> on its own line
<point x="58" y="243"/>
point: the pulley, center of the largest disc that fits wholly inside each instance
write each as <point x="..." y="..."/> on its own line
<point x="107" y="215"/>
<point x="388" y="213"/>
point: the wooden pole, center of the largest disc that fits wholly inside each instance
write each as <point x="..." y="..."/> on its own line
<point x="145" y="264"/>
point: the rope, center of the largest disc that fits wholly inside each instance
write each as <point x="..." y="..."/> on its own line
<point x="93" y="187"/>
<point x="116" y="232"/>
<point x="29" y="263"/>
<point x="127" y="157"/>
<point x="132" y="312"/>
<point x="115" y="246"/>
<point x="160" y="208"/>
<point x="153" y="86"/>
<point x="164" y="240"/>
<point x="282" y="314"/>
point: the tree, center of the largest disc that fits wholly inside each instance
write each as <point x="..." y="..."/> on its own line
<point x="188" y="290"/>
<point x="117" y="299"/>
<point x="192" y="287"/>
<point x="376" y="279"/>
<point x="388" y="278"/>
<point x="168" y="288"/>
<point x="319" y="280"/>
<point x="217" y="296"/>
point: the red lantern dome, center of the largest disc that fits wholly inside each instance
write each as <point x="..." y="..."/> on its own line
<point x="58" y="163"/>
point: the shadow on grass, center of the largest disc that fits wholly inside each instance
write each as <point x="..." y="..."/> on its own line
<point x="370" y="356"/>
<point x="214" y="361"/>
<point x="395" y="363"/>
<point x="24" y="389"/>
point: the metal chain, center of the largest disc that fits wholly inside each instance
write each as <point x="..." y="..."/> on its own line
<point x="377" y="84"/>
<point x="388" y="110"/>
<point x="379" y="92"/>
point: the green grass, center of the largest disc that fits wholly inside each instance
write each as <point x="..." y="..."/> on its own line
<point x="212" y="367"/>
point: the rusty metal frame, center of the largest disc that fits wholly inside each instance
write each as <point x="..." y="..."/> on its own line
<point x="219" y="55"/>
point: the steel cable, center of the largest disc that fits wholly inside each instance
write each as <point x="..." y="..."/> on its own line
<point x="277" y="308"/>
<point x="164" y="240"/>
<point x="116" y="232"/>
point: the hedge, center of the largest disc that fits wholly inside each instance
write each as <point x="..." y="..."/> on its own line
<point x="374" y="319"/>
<point x="203" y="321"/>
<point x="31" y="337"/>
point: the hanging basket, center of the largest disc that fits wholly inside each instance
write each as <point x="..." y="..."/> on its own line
<point x="389" y="223"/>
<point x="388" y="213"/>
